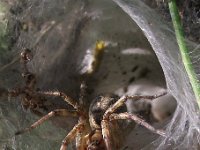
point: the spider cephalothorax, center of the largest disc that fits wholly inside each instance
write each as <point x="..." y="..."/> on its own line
<point x="98" y="107"/>
<point x="97" y="127"/>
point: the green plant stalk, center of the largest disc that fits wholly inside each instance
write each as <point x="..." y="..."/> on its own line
<point x="184" y="50"/>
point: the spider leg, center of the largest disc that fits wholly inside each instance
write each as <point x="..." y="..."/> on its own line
<point x="106" y="134"/>
<point x="25" y="57"/>
<point x="137" y="119"/>
<point x="81" y="140"/>
<point x="106" y="117"/>
<point x="66" y="98"/>
<point x="82" y="95"/>
<point x="71" y="135"/>
<point x="123" y="99"/>
<point x="57" y="112"/>
<point x="83" y="137"/>
<point x="30" y="78"/>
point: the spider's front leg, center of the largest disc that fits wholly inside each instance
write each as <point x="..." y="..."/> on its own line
<point x="110" y="116"/>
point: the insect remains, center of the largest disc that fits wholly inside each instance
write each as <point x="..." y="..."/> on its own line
<point x="94" y="129"/>
<point x="30" y="98"/>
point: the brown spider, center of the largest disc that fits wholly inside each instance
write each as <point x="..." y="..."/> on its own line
<point x="30" y="98"/>
<point x="93" y="130"/>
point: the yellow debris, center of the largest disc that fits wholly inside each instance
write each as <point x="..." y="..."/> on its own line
<point x="100" y="45"/>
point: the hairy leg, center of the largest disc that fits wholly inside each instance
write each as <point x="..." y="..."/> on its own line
<point x="123" y="99"/>
<point x="82" y="94"/>
<point x="66" y="98"/>
<point x="106" y="117"/>
<point x="57" y="112"/>
<point x="81" y="139"/>
<point x="71" y="135"/>
<point x="137" y="119"/>
<point x="106" y="134"/>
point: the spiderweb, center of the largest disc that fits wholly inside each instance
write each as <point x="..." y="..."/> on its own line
<point x="183" y="130"/>
<point x="61" y="35"/>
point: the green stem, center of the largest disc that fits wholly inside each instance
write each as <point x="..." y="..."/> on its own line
<point x="184" y="50"/>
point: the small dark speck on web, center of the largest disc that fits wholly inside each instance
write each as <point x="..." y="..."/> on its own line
<point x="144" y="72"/>
<point x="131" y="79"/>
<point x="125" y="89"/>
<point x="90" y="91"/>
<point x="134" y="68"/>
<point x="124" y="73"/>
<point x="15" y="70"/>
<point x="114" y="56"/>
<point x="105" y="76"/>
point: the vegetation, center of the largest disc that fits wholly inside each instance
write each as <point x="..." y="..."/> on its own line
<point x="184" y="50"/>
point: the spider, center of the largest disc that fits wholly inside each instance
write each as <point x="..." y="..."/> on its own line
<point x="95" y="126"/>
<point x="30" y="98"/>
